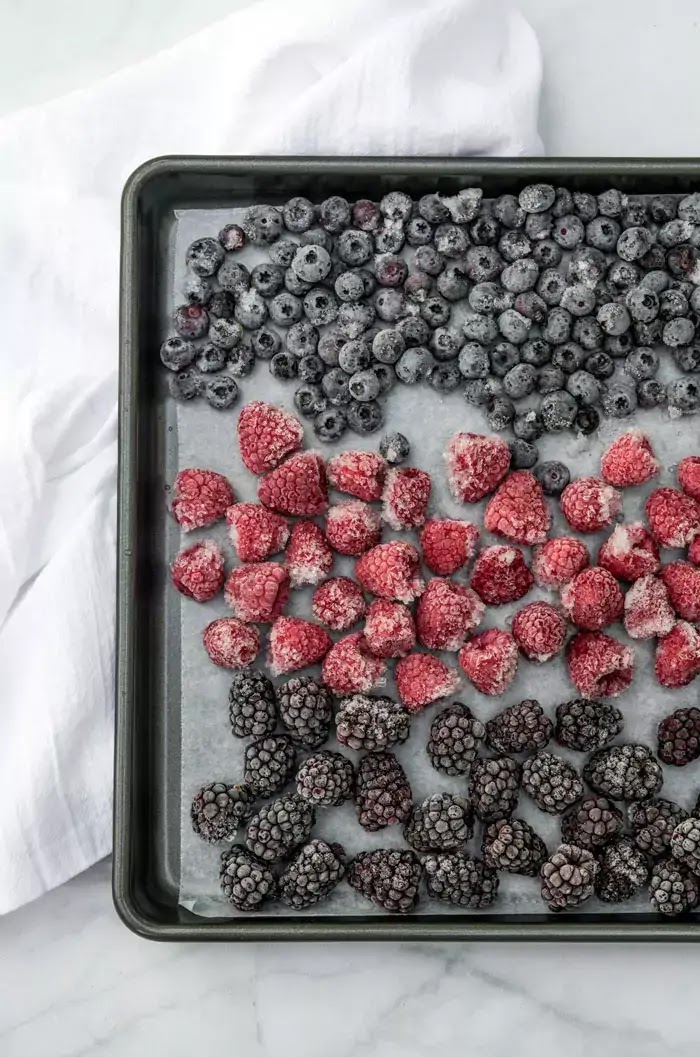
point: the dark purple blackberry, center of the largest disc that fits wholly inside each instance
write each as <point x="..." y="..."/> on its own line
<point x="382" y="791"/>
<point x="326" y="779"/>
<point x="245" y="881"/>
<point x="279" y="827"/>
<point x="685" y="844"/>
<point x="587" y="725"/>
<point x="460" y="880"/>
<point x="441" y="822"/>
<point x="653" y="822"/>
<point x="219" y="810"/>
<point x="453" y="742"/>
<point x="592" y="823"/>
<point x="269" y="763"/>
<point x="624" y="772"/>
<point x="389" y="878"/>
<point x="673" y="889"/>
<point x="371" y="723"/>
<point x="252" y="705"/>
<point x="312" y="874"/>
<point x="679" y="737"/>
<point x="512" y="845"/>
<point x="623" y="870"/>
<point x="568" y="877"/>
<point x="553" y="783"/>
<point x="494" y="787"/>
<point x="306" y="709"/>
<point x="519" y="728"/>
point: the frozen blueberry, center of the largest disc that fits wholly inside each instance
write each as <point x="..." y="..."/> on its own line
<point x="481" y="328"/>
<point x="317" y="237"/>
<point x="354" y="356"/>
<point x="551" y="286"/>
<point x="267" y="279"/>
<point x="310" y="400"/>
<point x="241" y="360"/>
<point x="251" y="310"/>
<point x="451" y="240"/>
<point x="474" y="360"/>
<point x="642" y="363"/>
<point x="610" y="203"/>
<point x="428" y="260"/>
<point x="388" y="346"/>
<point x="588" y="332"/>
<point x="432" y="208"/>
<point x="298" y="214"/>
<point x="349" y="287"/>
<point x="310" y="368"/>
<point x="293" y="284"/>
<point x="489" y="297"/>
<point x="618" y="400"/>
<point x="436" y="311"/>
<point x="232" y="238"/>
<point x="674" y="232"/>
<point x="221" y="392"/>
<point x="550" y="378"/>
<point x="480" y="391"/>
<point x="222" y="304"/>
<point x="211" y="358"/>
<point x="538" y="226"/>
<point x="390" y="238"/>
<point x="444" y="344"/>
<point x="655" y="259"/>
<point x="622" y="276"/>
<point x="282" y="252"/>
<point x="651" y="393"/>
<point x="687" y="358"/>
<point x="643" y="334"/>
<point x="386" y="376"/>
<point x="177" y="353"/>
<point x="283" y="365"/>
<point x="330" y="424"/>
<point x="683" y="395"/>
<point x="514" y="327"/>
<point x="500" y="414"/>
<point x="364" y="385"/>
<point x="557" y="329"/>
<point x="585" y="205"/>
<point x="558" y="411"/>
<point x="464" y="206"/>
<point x="503" y="357"/>
<point x="568" y="232"/>
<point x="390" y="304"/>
<point x="520" y="275"/>
<point x="335" y="387"/>
<point x="364" y="418"/>
<point x="205" y="256"/>
<point x="312" y="263"/>
<point x="197" y="289"/>
<point x="603" y="233"/>
<point x="321" y="308"/>
<point x="186" y="384"/>
<point x="536" y="198"/>
<point x="485" y="230"/>
<point x="520" y="380"/>
<point x="584" y="387"/>
<point x="265" y="343"/>
<point x="600" y="365"/>
<point x="587" y="420"/>
<point x="528" y="425"/>
<point x="689" y="208"/>
<point x="482" y="263"/>
<point x="418" y="232"/>
<point x="397" y="206"/>
<point x="414" y="331"/>
<point x="682" y="260"/>
<point x="390" y="270"/>
<point x="234" y="279"/>
<point x="329" y="345"/>
<point x="509" y="212"/>
<point x="262" y="225"/>
<point x="354" y="320"/>
<point x="513" y="245"/>
<point x="568" y="357"/>
<point x="655" y="280"/>
<point x="633" y="243"/>
<point x="453" y="283"/>
<point x="413" y="365"/>
<point x="678" y="332"/>
<point x="614" y="318"/>
<point x="191" y="321"/>
<point x="672" y="304"/>
<point x="634" y="212"/>
<point x="563" y="202"/>
<point x="553" y="477"/>
<point x="302" y="339"/>
<point x="531" y="305"/>
<point x="417" y="287"/>
<point x="394" y="447"/>
<point x="443" y="377"/>
<point x="663" y="208"/>
<point x="366" y="215"/>
<point x="642" y="304"/>
<point x="587" y="265"/>
<point x="547" y="253"/>
<point x="334" y="214"/>
<point x="225" y="333"/>
<point x="523" y="454"/>
<point x="355" y="247"/>
<point x="578" y="299"/>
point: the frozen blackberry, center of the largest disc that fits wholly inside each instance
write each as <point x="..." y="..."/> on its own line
<point x="326" y="779"/>
<point x="371" y="723"/>
<point x="460" y="880"/>
<point x="241" y="360"/>
<point x="455" y="735"/>
<point x="552" y="782"/>
<point x="382" y="791"/>
<point x="653" y="822"/>
<point x="587" y="725"/>
<point x="284" y="366"/>
<point x="269" y="763"/>
<point x="330" y="424"/>
<point x="222" y="305"/>
<point x="364" y="418"/>
<point x="305" y="708"/>
<point x="679" y="737"/>
<point x="519" y="728"/>
<point x="219" y="810"/>
<point x="205" y="256"/>
<point x="245" y="881"/>
<point x="395" y="448"/>
<point x="624" y="772"/>
<point x="387" y="877"/>
<point x="185" y="385"/>
<point x="262" y="225"/>
<point x="280" y="827"/>
<point x="221" y="393"/>
<point x="177" y="353"/>
<point x="513" y="846"/>
<point x="592" y="823"/>
<point x="673" y="889"/>
<point x="568" y="877"/>
<point x="252" y="705"/>
<point x="494" y="786"/>
<point x="310" y="400"/>
<point x="623" y="870"/>
<point x="312" y="874"/>
<point x="685" y="844"/>
<point x="558" y="411"/>
<point x="523" y="455"/>
<point x="441" y="822"/>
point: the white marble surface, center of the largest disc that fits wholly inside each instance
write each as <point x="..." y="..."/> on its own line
<point x="621" y="78"/>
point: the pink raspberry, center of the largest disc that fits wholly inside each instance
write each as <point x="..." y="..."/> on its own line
<point x="391" y="570"/>
<point x="648" y="612"/>
<point x="405" y="498"/>
<point x="350" y="668"/>
<point x="590" y="504"/>
<point x="256" y="532"/>
<point x="422" y="679"/>
<point x="230" y="643"/>
<point x="200" y="497"/>
<point x="257" y="593"/>
<point x="599" y="666"/>
<point x="389" y="629"/>
<point x="629" y="460"/>
<point x="593" y="599"/>
<point x="540" y="631"/>
<point x="339" y="603"/>
<point x="674" y="518"/>
<point x="448" y="544"/>
<point x="558" y="560"/>
<point x="309" y="558"/>
<point x="198" y="572"/>
<point x="629" y="552"/>
<point x="500" y="575"/>
<point x="689" y="476"/>
<point x="295" y="643"/>
<point x="518" y="510"/>
<point x="475" y="465"/>
<point x="359" y="473"/>
<point x="683" y="584"/>
<point x="296" y="487"/>
<point x="447" y="612"/>
<point x="266" y="434"/>
<point x="353" y="527"/>
<point x="677" y="660"/>
<point x="490" y="661"/>
<point x="694" y="551"/>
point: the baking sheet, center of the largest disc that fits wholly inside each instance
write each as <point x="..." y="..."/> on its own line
<point x="209" y="752"/>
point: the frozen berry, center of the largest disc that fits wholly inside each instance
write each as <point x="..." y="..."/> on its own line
<point x="295" y="643"/>
<point x="476" y="465"/>
<point x="205" y="256"/>
<point x="395" y="448"/>
<point x="540" y="631"/>
<point x="353" y="527"/>
<point x="309" y="558"/>
<point x="350" y="668"/>
<point x="200" y="497"/>
<point x="588" y="504"/>
<point x="230" y="643"/>
<point x="422" y="678"/>
<point x="689" y="476"/>
<point x="599" y="666"/>
<point x="673" y="517"/>
<point x="405" y="497"/>
<point x="500" y="575"/>
<point x="593" y="599"/>
<point x="518" y="510"/>
<point x="559" y="560"/>
<point x="198" y="572"/>
<point x="447" y="612"/>
<point x="389" y="629"/>
<point x="296" y="487"/>
<point x="266" y="434"/>
<point x="364" y="418"/>
<point x="256" y="532"/>
<point x="648" y="612"/>
<point x="490" y="661"/>
<point x="391" y="570"/>
<point x="682" y="580"/>
<point x="257" y="592"/>
<point x="629" y="552"/>
<point x="677" y="660"/>
<point x="177" y="353"/>
<point x="553" y="477"/>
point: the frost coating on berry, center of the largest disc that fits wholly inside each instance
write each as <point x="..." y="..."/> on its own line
<point x="257" y="593"/>
<point x="593" y="599"/>
<point x="599" y="666"/>
<point x="296" y="487"/>
<point x="674" y="518"/>
<point x="629" y="552"/>
<point x="448" y="544"/>
<point x="518" y="510"/>
<point x="359" y="473"/>
<point x="198" y="572"/>
<point x="682" y="582"/>
<point x="558" y="560"/>
<point x="648" y="611"/>
<point x="338" y="603"/>
<point x="590" y="504"/>
<point x="309" y="558"/>
<point x="405" y="497"/>
<point x="476" y="465"/>
<point x="266" y="434"/>
<point x="500" y="575"/>
<point x="689" y="476"/>
<point x="353" y="527"/>
<point x="371" y="723"/>
<point x="629" y="460"/>
<point x="389" y="629"/>
<point x="256" y="532"/>
<point x="391" y="570"/>
<point x="677" y="660"/>
<point x="447" y="612"/>
<point x="295" y="643"/>
<point x="490" y="661"/>
<point x="350" y="668"/>
<point x="540" y="631"/>
<point x="230" y="643"/>
<point x="422" y="679"/>
<point x="200" y="497"/>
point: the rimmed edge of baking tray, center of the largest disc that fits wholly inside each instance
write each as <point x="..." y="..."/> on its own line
<point x="145" y="898"/>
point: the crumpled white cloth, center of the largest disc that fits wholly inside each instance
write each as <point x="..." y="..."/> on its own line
<point x="453" y="77"/>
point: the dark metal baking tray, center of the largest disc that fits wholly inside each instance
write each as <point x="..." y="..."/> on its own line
<point x="147" y="749"/>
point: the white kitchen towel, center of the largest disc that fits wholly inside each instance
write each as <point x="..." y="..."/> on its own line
<point x="458" y="77"/>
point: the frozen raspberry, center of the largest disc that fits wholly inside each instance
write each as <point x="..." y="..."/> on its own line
<point x="266" y="434"/>
<point x="558" y="560"/>
<point x="198" y="572"/>
<point x="256" y="532"/>
<point x="683" y="584"/>
<point x="297" y="487"/>
<point x="257" y="593"/>
<point x="593" y="599"/>
<point x="350" y="668"/>
<point x="475" y="465"/>
<point x="648" y="612"/>
<point x="629" y="552"/>
<point x="599" y="666"/>
<point x="295" y="643"/>
<point x="590" y="504"/>
<point x="359" y="473"/>
<point x="353" y="527"/>
<point x="490" y="661"/>
<point x="389" y="629"/>
<point x="674" y="518"/>
<point x="678" y="656"/>
<point x="391" y="570"/>
<point x="447" y="612"/>
<point x="200" y="497"/>
<point x="694" y="551"/>
<point x="309" y="557"/>
<point x="540" y="631"/>
<point x="448" y="544"/>
<point x="629" y="460"/>
<point x="518" y="510"/>
<point x="422" y="679"/>
<point x="689" y="476"/>
<point x="230" y="643"/>
<point x="405" y="497"/>
<point x="500" y="575"/>
<point x="339" y="603"/>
